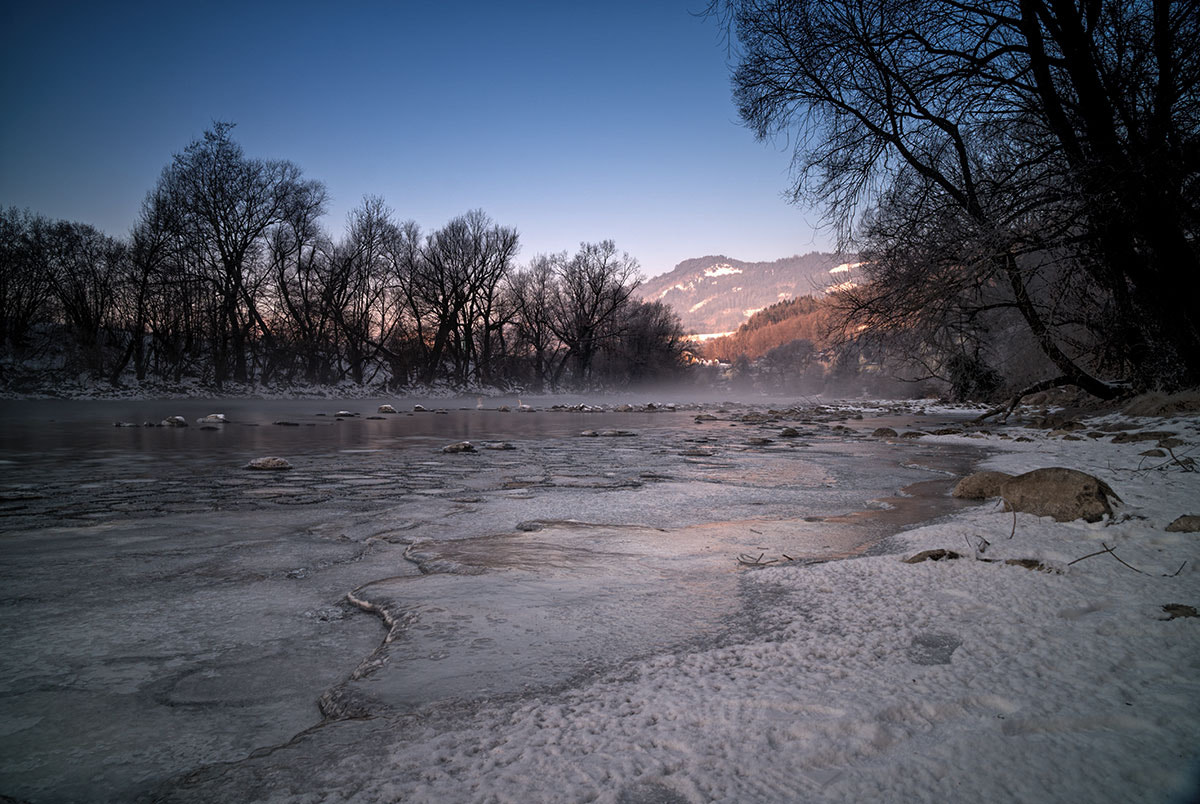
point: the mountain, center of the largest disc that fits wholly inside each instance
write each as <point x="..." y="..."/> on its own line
<point x="717" y="294"/>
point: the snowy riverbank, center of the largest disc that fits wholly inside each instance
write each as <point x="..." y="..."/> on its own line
<point x="871" y="679"/>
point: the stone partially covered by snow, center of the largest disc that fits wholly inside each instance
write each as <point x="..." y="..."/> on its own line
<point x="386" y="409"/>
<point x="269" y="463"/>
<point x="1188" y="523"/>
<point x="1064" y="494"/>
<point x="459" y="446"/>
<point x="212" y="418"/>
<point x="174" y="421"/>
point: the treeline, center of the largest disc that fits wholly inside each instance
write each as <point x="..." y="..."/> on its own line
<point x="228" y="276"/>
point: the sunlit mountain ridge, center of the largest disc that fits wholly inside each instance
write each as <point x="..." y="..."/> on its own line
<point x="717" y="294"/>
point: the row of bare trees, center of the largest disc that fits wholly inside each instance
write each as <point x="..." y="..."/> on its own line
<point x="1022" y="177"/>
<point x="229" y="277"/>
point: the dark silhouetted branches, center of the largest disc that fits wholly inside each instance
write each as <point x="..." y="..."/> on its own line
<point x="1026" y="157"/>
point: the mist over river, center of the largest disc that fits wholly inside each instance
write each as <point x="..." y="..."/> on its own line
<point x="163" y="608"/>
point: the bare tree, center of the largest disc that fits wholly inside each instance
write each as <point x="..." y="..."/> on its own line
<point x="593" y="288"/>
<point x="86" y="270"/>
<point x="226" y="204"/>
<point x="531" y="292"/>
<point x="649" y="346"/>
<point x="299" y="255"/>
<point x="26" y="281"/>
<point x="367" y="310"/>
<point x="454" y="288"/>
<point x="1028" y="129"/>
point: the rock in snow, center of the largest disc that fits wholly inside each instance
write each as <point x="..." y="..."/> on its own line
<point x="1064" y="494"/>
<point x="1188" y="523"/>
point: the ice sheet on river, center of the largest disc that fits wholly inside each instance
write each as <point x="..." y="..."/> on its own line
<point x="165" y="609"/>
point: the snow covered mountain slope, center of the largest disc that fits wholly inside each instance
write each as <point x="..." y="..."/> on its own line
<point x="716" y="294"/>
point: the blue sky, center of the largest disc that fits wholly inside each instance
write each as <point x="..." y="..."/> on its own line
<point x="569" y="121"/>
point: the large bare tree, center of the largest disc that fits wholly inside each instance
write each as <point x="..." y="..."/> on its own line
<point x="981" y="152"/>
<point x="593" y="289"/>
<point x="226" y="204"/>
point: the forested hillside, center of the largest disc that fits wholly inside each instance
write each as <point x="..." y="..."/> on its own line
<point x="805" y="318"/>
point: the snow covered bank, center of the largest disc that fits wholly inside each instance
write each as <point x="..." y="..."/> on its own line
<point x="867" y="680"/>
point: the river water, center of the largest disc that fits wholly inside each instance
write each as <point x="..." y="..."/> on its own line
<point x="164" y="608"/>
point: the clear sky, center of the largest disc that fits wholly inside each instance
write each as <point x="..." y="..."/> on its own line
<point x="570" y="121"/>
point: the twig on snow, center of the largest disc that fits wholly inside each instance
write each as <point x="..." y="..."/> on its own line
<point x="1110" y="551"/>
<point x="747" y="560"/>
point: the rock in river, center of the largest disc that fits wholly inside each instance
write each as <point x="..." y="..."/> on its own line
<point x="269" y="463"/>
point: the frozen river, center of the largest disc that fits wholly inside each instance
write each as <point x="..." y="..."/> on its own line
<point x="163" y="609"/>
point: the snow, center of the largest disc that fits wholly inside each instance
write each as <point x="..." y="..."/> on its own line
<point x="682" y="287"/>
<point x="878" y="680"/>
<point x="721" y="270"/>
<point x="867" y="679"/>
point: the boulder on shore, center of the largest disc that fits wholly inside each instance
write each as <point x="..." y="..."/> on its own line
<point x="1064" y="494"/>
<point x="980" y="485"/>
